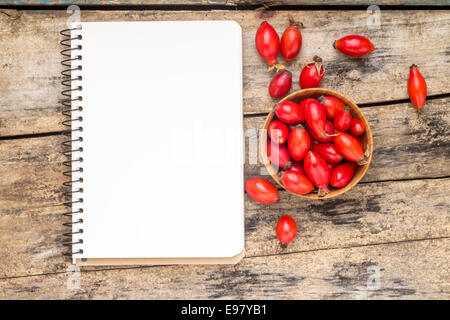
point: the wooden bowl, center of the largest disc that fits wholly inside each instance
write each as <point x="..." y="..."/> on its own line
<point x="366" y="139"/>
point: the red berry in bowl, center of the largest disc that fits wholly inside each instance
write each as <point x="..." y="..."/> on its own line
<point x="357" y="128"/>
<point x="278" y="132"/>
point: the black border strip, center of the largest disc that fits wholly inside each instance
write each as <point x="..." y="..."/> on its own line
<point x="199" y="7"/>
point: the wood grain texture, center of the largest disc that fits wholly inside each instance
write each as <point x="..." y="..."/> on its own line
<point x="31" y="222"/>
<point x="30" y="60"/>
<point x="407" y="145"/>
<point x="411" y="270"/>
<point x="401" y="228"/>
<point x="231" y="3"/>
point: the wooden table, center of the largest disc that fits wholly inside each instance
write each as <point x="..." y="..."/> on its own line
<point x="387" y="238"/>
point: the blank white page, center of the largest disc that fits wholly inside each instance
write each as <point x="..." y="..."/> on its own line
<point x="162" y="139"/>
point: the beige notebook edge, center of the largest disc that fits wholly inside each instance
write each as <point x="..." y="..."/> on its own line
<point x="158" y="261"/>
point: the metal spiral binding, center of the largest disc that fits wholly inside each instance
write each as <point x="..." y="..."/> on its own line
<point x="72" y="147"/>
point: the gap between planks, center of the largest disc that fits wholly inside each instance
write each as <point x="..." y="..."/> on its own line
<point x="100" y="269"/>
<point x="245" y="115"/>
<point x="367" y="104"/>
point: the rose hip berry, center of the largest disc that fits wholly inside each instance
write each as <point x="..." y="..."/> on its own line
<point x="417" y="87"/>
<point x="332" y="106"/>
<point x="296" y="182"/>
<point x="343" y="120"/>
<point x="291" y="42"/>
<point x="328" y="152"/>
<point x="315" y="117"/>
<point x="296" y="166"/>
<point x="343" y="174"/>
<point x="298" y="143"/>
<point x="329" y="130"/>
<point x="317" y="171"/>
<point x="349" y="147"/>
<point x="312" y="74"/>
<point x="280" y="84"/>
<point x="286" y="229"/>
<point x="268" y="44"/>
<point x="278" y="154"/>
<point x="357" y="127"/>
<point x="278" y="132"/>
<point x="290" y="113"/>
<point x="261" y="190"/>
<point x="354" y="45"/>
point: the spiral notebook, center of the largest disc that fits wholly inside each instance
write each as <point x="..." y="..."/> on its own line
<point x="156" y="148"/>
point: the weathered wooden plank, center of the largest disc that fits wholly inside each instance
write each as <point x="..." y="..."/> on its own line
<point x="411" y="270"/>
<point x="407" y="144"/>
<point x="31" y="229"/>
<point x="30" y="61"/>
<point x="31" y="194"/>
<point x="231" y="3"/>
